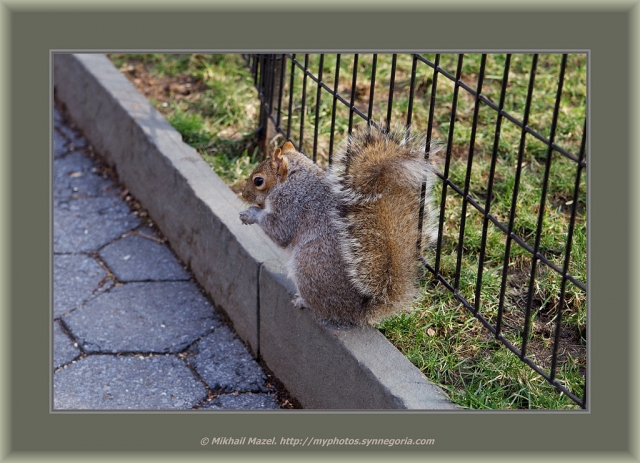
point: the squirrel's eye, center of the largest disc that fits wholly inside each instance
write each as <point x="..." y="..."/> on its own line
<point x="258" y="181"/>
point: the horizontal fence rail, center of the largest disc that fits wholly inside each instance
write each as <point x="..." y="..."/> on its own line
<point x="511" y="201"/>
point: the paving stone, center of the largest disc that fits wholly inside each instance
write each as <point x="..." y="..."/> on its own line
<point x="136" y="258"/>
<point x="126" y="382"/>
<point x="143" y="317"/>
<point x="59" y="145"/>
<point x="87" y="224"/>
<point x="224" y="363"/>
<point x="76" y="161"/>
<point x="77" y="140"/>
<point x="76" y="278"/>
<point x="242" y="402"/>
<point x="63" y="348"/>
<point x="75" y="176"/>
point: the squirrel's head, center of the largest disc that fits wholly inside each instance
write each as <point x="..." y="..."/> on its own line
<point x="267" y="175"/>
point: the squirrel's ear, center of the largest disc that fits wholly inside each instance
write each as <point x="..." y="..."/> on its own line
<point x="279" y="164"/>
<point x="288" y="146"/>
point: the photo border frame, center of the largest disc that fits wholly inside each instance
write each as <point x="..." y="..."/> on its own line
<point x="31" y="32"/>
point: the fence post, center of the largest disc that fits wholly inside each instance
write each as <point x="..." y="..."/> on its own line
<point x="269" y="94"/>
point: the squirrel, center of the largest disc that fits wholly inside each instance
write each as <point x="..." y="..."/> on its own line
<point x="352" y="229"/>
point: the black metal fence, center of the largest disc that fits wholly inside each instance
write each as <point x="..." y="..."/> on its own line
<point x="511" y="241"/>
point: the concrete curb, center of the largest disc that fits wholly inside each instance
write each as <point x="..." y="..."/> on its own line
<point x="242" y="270"/>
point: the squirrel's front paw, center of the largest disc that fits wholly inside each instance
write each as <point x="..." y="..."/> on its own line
<point x="298" y="302"/>
<point x="250" y="215"/>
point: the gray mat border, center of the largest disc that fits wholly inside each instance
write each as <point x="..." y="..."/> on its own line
<point x="605" y="29"/>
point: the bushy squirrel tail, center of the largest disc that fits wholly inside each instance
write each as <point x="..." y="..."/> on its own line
<point x="377" y="177"/>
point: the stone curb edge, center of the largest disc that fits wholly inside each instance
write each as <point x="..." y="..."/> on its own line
<point x="242" y="270"/>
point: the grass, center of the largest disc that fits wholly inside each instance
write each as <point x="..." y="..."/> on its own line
<point x="211" y="101"/>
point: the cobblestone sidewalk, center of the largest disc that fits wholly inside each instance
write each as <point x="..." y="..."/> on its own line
<point x="131" y="329"/>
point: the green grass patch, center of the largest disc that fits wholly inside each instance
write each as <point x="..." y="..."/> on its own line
<point x="211" y="101"/>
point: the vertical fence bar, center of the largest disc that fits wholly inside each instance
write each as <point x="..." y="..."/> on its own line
<point x="353" y="91"/>
<point x="467" y="181"/>
<point x="270" y="82"/>
<point x="333" y="107"/>
<point x="291" y="82"/>
<point x="565" y="266"/>
<point x="492" y="170"/>
<point x="276" y="93"/>
<point x="412" y="89"/>
<point x="304" y="97"/>
<point x="423" y="189"/>
<point x="443" y="198"/>
<point x="543" y="201"/>
<point x="372" y="87"/>
<point x="318" y="94"/>
<point x="281" y="88"/>
<point x="514" y="197"/>
<point x="271" y="86"/>
<point x="432" y="104"/>
<point x="262" y="94"/>
<point x="392" y="80"/>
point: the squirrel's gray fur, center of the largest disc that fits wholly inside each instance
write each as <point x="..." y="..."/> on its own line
<point x="352" y="230"/>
